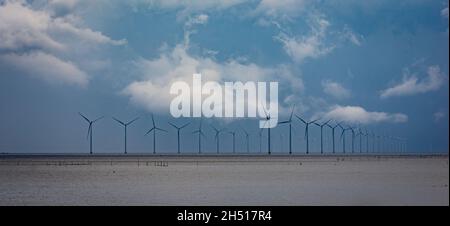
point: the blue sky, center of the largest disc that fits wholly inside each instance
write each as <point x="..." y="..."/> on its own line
<point x="382" y="65"/>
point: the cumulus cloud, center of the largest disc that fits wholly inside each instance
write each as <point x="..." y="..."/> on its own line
<point x="308" y="46"/>
<point x="152" y="92"/>
<point x="23" y="27"/>
<point x="412" y="85"/>
<point x="43" y="32"/>
<point x="359" y="115"/>
<point x="335" y="89"/>
<point x="46" y="66"/>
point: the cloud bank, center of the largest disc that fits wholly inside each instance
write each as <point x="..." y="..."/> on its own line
<point x="359" y="115"/>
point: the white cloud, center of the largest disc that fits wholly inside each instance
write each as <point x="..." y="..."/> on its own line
<point x="41" y="31"/>
<point x="152" y="92"/>
<point x="359" y="115"/>
<point x="350" y="35"/>
<point x="308" y="46"/>
<point x="23" y="27"/>
<point x="439" y="115"/>
<point x="411" y="84"/>
<point x="185" y="8"/>
<point x="199" y="19"/>
<point x="335" y="89"/>
<point x="280" y="9"/>
<point x="47" y="67"/>
<point x="444" y="13"/>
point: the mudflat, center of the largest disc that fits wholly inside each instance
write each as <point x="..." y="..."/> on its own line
<point x="224" y="180"/>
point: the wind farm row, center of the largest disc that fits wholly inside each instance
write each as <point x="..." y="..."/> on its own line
<point x="367" y="140"/>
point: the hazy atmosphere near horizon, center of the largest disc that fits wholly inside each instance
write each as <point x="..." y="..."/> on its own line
<point x="379" y="65"/>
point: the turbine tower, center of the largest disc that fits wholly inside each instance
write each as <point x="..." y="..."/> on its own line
<point x="306" y="131"/>
<point x="321" y="133"/>
<point x="353" y="138"/>
<point x="200" y="135"/>
<point x="178" y="128"/>
<point x="247" y="139"/>
<point x="125" y="125"/>
<point x="332" y="134"/>
<point x="360" y="134"/>
<point x="343" y="137"/>
<point x="218" y="131"/>
<point x="260" y="140"/>
<point x="89" y="133"/>
<point x="290" y="129"/>
<point x="366" y="134"/>
<point x="154" y="129"/>
<point x="373" y="140"/>
<point x="233" y="133"/>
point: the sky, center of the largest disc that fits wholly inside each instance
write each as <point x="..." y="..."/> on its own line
<point x="379" y="65"/>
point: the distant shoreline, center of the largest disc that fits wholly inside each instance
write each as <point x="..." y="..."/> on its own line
<point x="224" y="155"/>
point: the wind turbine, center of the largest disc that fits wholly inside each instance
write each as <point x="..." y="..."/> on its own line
<point x="353" y="138"/>
<point x="306" y="131"/>
<point x="178" y="128"/>
<point x="290" y="129"/>
<point x="332" y="133"/>
<point x="89" y="133"/>
<point x="247" y="139"/>
<point x="343" y="136"/>
<point x="125" y="125"/>
<point x="360" y="134"/>
<point x="218" y="131"/>
<point x="366" y="134"/>
<point x="200" y="135"/>
<point x="154" y="129"/>
<point x="268" y="117"/>
<point x="233" y="133"/>
<point x="373" y="141"/>
<point x="321" y="133"/>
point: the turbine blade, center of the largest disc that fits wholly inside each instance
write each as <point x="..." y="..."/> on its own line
<point x="176" y="127"/>
<point x="214" y="128"/>
<point x="185" y="125"/>
<point x="149" y="131"/>
<point x="264" y="109"/>
<point x="98" y="119"/>
<point x="284" y="122"/>
<point x="89" y="131"/>
<point x="306" y="130"/>
<point x="85" y="118"/>
<point x="265" y="123"/>
<point x="117" y="120"/>
<point x="163" y="130"/>
<point x="153" y="120"/>
<point x="132" y="121"/>
<point x="292" y="112"/>
<point x="300" y="119"/>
